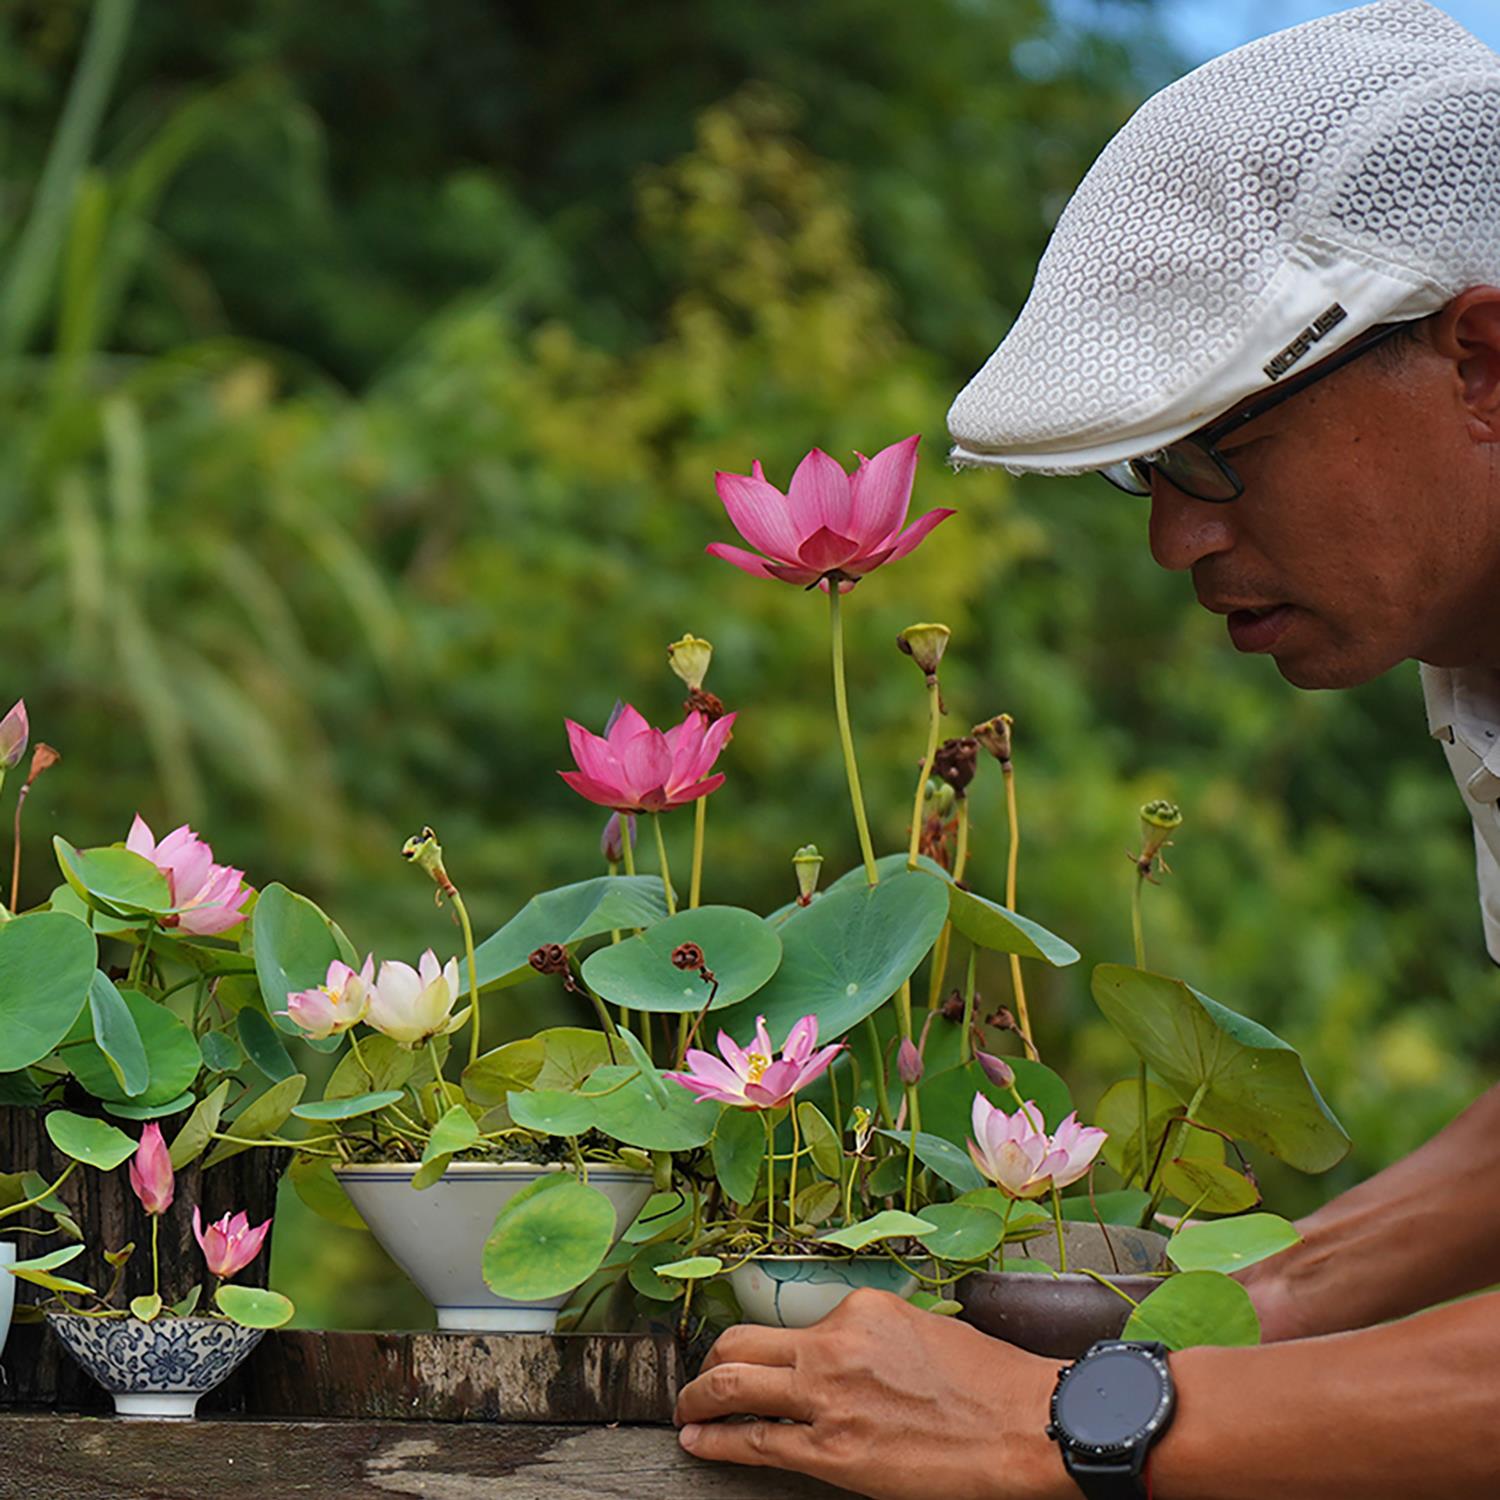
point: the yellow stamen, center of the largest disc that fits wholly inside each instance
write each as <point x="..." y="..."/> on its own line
<point x="757" y="1065"/>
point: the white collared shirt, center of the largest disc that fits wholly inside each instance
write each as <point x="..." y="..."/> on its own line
<point x="1463" y="714"/>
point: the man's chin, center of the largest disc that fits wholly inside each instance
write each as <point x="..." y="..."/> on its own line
<point x="1314" y="670"/>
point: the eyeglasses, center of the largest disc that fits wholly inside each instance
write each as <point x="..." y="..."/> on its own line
<point x="1194" y="464"/>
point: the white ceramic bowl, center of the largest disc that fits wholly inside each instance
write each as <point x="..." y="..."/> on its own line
<point x="796" y="1291"/>
<point x="7" y="1290"/>
<point x="437" y="1235"/>
<point x="157" y="1369"/>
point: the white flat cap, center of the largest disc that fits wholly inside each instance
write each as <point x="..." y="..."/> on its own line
<point x="1249" y="219"/>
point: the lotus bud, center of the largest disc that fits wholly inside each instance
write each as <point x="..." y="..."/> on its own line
<point x="689" y="659"/>
<point x="151" y="1173"/>
<point x="997" y="1070"/>
<point x="909" y="1063"/>
<point x="863" y="1124"/>
<point x="807" y="862"/>
<point x="43" y="758"/>
<point x="423" y="850"/>
<point x="14" y="732"/>
<point x="994" y="735"/>
<point x="611" y="845"/>
<point x="955" y="763"/>
<point x="1159" y="819"/>
<point x="925" y="645"/>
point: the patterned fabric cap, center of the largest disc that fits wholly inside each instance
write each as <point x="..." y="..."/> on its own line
<point x="1248" y="220"/>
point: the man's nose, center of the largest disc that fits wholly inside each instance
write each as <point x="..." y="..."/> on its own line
<point x="1185" y="530"/>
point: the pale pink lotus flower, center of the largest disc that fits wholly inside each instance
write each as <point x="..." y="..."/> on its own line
<point x="209" y="897"/>
<point x="337" y="1004"/>
<point x="635" y="768"/>
<point x="1016" y="1153"/>
<point x="230" y="1244"/>
<point x="151" y="1173"/>
<point x="751" y="1080"/>
<point x="411" y="1006"/>
<point x="829" y="523"/>
<point x="15" y="730"/>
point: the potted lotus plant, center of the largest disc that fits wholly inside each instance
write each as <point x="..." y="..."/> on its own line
<point x="154" y="1357"/>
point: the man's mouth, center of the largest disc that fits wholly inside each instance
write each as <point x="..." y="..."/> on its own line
<point x="1260" y="628"/>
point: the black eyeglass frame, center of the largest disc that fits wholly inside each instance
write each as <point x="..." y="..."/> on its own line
<point x="1206" y="439"/>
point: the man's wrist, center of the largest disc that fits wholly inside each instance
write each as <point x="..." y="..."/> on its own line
<point x="1036" y="1469"/>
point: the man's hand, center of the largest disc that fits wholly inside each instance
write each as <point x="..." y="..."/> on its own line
<point x="881" y="1399"/>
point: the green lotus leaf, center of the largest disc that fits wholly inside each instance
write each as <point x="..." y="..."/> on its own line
<point x="550" y="1237"/>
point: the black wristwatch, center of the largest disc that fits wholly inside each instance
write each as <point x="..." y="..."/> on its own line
<point x="1107" y="1410"/>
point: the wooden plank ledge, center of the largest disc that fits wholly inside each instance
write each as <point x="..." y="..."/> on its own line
<point x="47" y="1456"/>
<point x="432" y="1377"/>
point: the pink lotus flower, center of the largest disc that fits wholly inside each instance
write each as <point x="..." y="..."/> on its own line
<point x="411" y="1006"/>
<point x="1020" y="1158"/>
<point x="337" y="1004"/>
<point x="751" y="1080"/>
<point x="209" y="897"/>
<point x="151" y="1171"/>
<point x="14" y="732"/>
<point x="828" y="525"/>
<point x="229" y="1245"/>
<point x="636" y="768"/>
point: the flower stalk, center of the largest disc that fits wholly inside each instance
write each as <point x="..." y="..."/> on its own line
<point x="846" y="735"/>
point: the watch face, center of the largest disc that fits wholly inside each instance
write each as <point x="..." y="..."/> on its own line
<point x="1111" y="1400"/>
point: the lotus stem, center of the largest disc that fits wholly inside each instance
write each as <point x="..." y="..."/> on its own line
<point x="846" y="736"/>
<point x="938" y="970"/>
<point x="1023" y="1019"/>
<point x="155" y="1256"/>
<point x="882" y="1095"/>
<point x="791" y="1214"/>
<point x="1057" y="1219"/>
<point x="966" y="1042"/>
<point x="695" y="889"/>
<point x="661" y="856"/>
<point x="47" y="1192"/>
<point x="770" y="1178"/>
<point x="463" y="917"/>
<point x="934" y="718"/>
<point x="1138" y="933"/>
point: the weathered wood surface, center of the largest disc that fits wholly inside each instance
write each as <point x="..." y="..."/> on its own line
<point x="434" y="1377"/>
<point x="89" y="1458"/>
<point x="110" y="1215"/>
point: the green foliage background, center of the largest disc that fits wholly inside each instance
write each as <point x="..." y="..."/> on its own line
<point x="364" y="370"/>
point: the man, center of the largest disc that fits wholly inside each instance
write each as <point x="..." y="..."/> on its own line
<point x="1273" y="306"/>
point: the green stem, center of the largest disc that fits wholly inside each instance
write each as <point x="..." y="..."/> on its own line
<point x="1169" y="1151"/>
<point x="770" y="1178"/>
<point x="19" y="1208"/>
<point x="1057" y="1219"/>
<point x="846" y="736"/>
<point x="463" y="917"/>
<point x="966" y="1042"/>
<point x="138" y="959"/>
<point x="359" y="1057"/>
<point x="666" y="874"/>
<point x="155" y="1257"/>
<point x="903" y="1012"/>
<point x="437" y="1073"/>
<point x="791" y="1213"/>
<point x="882" y="1095"/>
<point x="1138" y="933"/>
<point x="695" y="890"/>
<point x="1023" y="1019"/>
<point x="911" y="1141"/>
<point x="934" y="719"/>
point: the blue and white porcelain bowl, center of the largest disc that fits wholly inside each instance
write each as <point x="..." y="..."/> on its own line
<point x="157" y="1369"/>
<point x="796" y="1291"/>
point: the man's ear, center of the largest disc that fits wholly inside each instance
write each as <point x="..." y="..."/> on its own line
<point x="1467" y="332"/>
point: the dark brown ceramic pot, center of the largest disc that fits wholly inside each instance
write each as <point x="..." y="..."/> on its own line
<point x="1060" y="1316"/>
<point x="1055" y="1316"/>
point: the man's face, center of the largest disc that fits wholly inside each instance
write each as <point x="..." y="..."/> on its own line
<point x="1370" y="520"/>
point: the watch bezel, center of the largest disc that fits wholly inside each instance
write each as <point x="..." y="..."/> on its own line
<point x="1139" y="1440"/>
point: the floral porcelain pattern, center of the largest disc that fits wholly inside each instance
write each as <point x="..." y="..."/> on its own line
<point x="190" y="1355"/>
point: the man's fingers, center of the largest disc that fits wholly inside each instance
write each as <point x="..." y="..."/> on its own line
<point x="735" y="1390"/>
<point x="777" y="1445"/>
<point x="749" y="1344"/>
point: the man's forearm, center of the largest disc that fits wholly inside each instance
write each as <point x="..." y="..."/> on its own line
<point x="1422" y="1232"/>
<point x="1407" y="1410"/>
